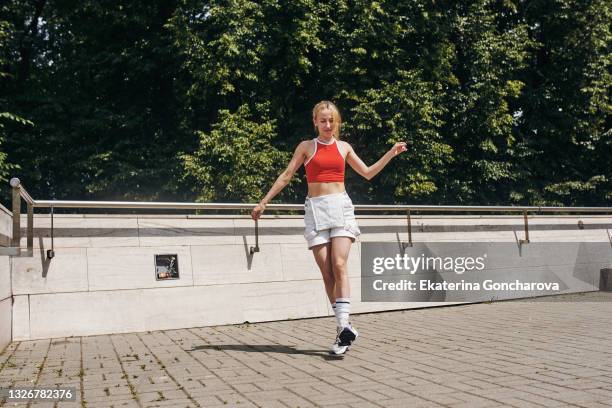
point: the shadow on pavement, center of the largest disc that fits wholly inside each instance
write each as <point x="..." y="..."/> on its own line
<point x="266" y="348"/>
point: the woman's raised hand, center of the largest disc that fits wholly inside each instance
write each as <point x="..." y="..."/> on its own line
<point x="398" y="148"/>
<point x="257" y="211"/>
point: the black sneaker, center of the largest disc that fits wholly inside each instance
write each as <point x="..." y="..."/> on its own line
<point x="337" y="348"/>
<point x="347" y="336"/>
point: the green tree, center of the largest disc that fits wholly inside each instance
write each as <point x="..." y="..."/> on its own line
<point x="6" y="117"/>
<point x="502" y="101"/>
<point x="98" y="79"/>
<point x="404" y="110"/>
<point x="235" y="161"/>
<point x="488" y="61"/>
<point x="565" y="115"/>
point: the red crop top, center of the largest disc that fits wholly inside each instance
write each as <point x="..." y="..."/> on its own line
<point x="326" y="165"/>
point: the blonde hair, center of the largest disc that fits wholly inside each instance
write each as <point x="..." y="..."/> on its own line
<point x="335" y="114"/>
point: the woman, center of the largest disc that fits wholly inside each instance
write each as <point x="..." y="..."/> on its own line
<point x="328" y="211"/>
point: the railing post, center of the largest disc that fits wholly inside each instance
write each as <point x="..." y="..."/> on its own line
<point x="526" y="240"/>
<point x="30" y="236"/>
<point x="254" y="249"/>
<point x="51" y="252"/>
<point x="409" y="228"/>
<point x="16" y="212"/>
<point x="409" y="225"/>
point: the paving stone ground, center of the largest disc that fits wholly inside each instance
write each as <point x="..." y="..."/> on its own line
<point x="553" y="352"/>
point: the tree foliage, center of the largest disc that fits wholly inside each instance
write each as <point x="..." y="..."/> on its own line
<point x="235" y="160"/>
<point x="6" y="117"/>
<point x="501" y="102"/>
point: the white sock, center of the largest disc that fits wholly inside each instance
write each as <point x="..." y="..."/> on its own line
<point x="334" y="309"/>
<point x="343" y="309"/>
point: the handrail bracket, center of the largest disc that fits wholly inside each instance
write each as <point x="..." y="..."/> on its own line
<point x="526" y="223"/>
<point x="409" y="226"/>
<point x="254" y="249"/>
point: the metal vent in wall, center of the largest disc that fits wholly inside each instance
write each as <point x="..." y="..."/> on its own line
<point x="166" y="267"/>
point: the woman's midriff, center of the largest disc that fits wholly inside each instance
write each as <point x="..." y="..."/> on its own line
<point x="320" y="189"/>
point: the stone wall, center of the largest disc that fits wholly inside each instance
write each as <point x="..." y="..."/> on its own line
<point x="102" y="279"/>
<point x="5" y="279"/>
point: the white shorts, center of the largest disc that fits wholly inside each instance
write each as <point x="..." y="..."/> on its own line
<point x="329" y="216"/>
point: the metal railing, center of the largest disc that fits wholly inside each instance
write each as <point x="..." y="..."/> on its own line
<point x="19" y="192"/>
<point x="15" y="248"/>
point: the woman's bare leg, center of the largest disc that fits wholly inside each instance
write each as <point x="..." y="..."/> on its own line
<point x="322" y="254"/>
<point x="340" y="248"/>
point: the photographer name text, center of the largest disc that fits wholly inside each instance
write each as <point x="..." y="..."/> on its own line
<point x="488" y="284"/>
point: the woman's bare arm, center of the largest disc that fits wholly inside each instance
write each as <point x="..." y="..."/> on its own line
<point x="299" y="155"/>
<point x="370" y="171"/>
